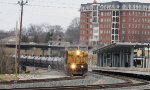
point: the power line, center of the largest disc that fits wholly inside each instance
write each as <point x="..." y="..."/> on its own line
<point x="41" y="5"/>
<point x="57" y="3"/>
<point x="51" y="6"/>
<point x="8" y="3"/>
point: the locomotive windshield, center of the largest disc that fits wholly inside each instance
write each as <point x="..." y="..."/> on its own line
<point x="83" y="48"/>
<point x="77" y="48"/>
<point x="72" y="48"/>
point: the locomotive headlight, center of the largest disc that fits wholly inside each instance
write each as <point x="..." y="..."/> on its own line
<point x="73" y="66"/>
<point x="78" y="52"/>
<point x="82" y="66"/>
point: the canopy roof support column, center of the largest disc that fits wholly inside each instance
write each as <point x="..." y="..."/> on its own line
<point x="131" y="56"/>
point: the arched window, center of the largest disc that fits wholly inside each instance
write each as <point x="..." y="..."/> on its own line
<point x="113" y="13"/>
<point x="113" y="25"/>
<point x="112" y="37"/>
<point x="113" y="19"/>
<point x="113" y="31"/>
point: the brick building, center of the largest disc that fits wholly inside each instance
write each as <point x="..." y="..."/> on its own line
<point x="106" y="23"/>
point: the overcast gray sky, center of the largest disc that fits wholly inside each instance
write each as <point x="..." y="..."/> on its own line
<point x="54" y="12"/>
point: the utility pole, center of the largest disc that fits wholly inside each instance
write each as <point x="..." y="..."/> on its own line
<point x="21" y="3"/>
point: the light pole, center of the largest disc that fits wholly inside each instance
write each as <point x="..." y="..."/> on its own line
<point x="21" y="3"/>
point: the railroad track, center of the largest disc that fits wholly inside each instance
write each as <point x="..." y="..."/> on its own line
<point x="39" y="80"/>
<point x="127" y="83"/>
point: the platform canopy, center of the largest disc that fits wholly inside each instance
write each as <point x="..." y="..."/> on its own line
<point x="117" y="46"/>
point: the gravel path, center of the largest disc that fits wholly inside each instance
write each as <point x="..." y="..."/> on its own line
<point x="89" y="80"/>
<point x="143" y="87"/>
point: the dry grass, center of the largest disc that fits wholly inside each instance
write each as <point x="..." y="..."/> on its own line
<point x="8" y="77"/>
<point x="6" y="63"/>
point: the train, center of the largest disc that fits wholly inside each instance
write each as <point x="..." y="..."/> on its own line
<point x="73" y="60"/>
<point x="76" y="60"/>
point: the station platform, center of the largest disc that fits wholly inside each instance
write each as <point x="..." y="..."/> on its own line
<point x="141" y="73"/>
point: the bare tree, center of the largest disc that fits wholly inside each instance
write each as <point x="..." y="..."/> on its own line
<point x="73" y="31"/>
<point x="44" y="32"/>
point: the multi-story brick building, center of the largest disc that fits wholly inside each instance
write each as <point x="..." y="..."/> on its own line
<point x="105" y="23"/>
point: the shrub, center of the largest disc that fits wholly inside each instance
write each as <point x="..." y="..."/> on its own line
<point x="7" y="64"/>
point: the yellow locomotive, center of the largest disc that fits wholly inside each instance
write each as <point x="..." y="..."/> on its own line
<point x="76" y="60"/>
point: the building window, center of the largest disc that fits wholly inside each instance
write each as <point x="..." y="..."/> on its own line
<point x="101" y="19"/>
<point x="132" y="25"/>
<point x="105" y="20"/>
<point x="129" y="25"/>
<point x="132" y="19"/>
<point x="113" y="19"/>
<point x="139" y="19"/>
<point x="113" y="13"/>
<point x="112" y="37"/>
<point x="139" y="13"/>
<point x="101" y="31"/>
<point x="129" y="32"/>
<point x="117" y="25"/>
<point x="108" y="14"/>
<point x="138" y="26"/>
<point x="94" y="13"/>
<point x="129" y="13"/>
<point x="95" y="25"/>
<point x="94" y="7"/>
<point x="123" y="32"/>
<point x="117" y="19"/>
<point x="145" y="14"/>
<point x="145" y="19"/>
<point x="113" y="31"/>
<point x="116" y="31"/>
<point x="102" y="13"/>
<point x="116" y="37"/>
<point x="90" y="26"/>
<point x="133" y="32"/>
<point x="117" y="13"/>
<point x="123" y="20"/>
<point x="94" y="19"/>
<point x="95" y="31"/>
<point x="142" y="25"/>
<point x="135" y="13"/>
<point x="96" y="37"/>
<point x="113" y="25"/>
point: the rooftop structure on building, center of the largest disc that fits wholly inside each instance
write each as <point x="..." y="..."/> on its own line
<point x="110" y="22"/>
